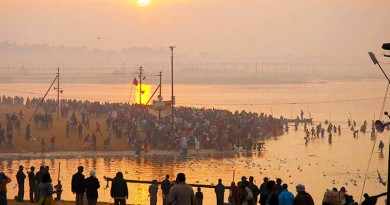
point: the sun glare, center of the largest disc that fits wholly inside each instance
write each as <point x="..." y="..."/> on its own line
<point x="143" y="2"/>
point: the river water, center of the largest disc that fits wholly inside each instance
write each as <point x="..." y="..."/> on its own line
<point x="318" y="165"/>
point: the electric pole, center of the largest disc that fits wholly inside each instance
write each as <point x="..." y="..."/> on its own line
<point x="159" y="97"/>
<point x="58" y="93"/>
<point x="172" y="96"/>
<point x="140" y="85"/>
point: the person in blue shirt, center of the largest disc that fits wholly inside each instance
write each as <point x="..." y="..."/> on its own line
<point x="285" y="197"/>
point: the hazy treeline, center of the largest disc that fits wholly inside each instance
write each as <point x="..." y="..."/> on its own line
<point x="32" y="63"/>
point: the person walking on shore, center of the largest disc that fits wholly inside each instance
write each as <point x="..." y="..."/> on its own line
<point x="80" y="130"/>
<point x="153" y="189"/>
<point x="91" y="188"/>
<point x="67" y="129"/>
<point x="28" y="132"/>
<point x="4" y="180"/>
<point x="33" y="185"/>
<point x="220" y="192"/>
<point x="20" y="176"/>
<point x="165" y="187"/>
<point x="53" y="143"/>
<point x="43" y="144"/>
<point x="78" y="185"/>
<point x="181" y="193"/>
<point x="119" y="190"/>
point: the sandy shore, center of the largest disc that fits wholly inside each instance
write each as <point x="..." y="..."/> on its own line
<point x="72" y="146"/>
<point x="110" y="154"/>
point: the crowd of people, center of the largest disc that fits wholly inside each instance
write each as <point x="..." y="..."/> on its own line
<point x="176" y="192"/>
<point x="203" y="128"/>
<point x="40" y="186"/>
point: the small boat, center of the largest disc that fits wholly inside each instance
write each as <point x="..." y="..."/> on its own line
<point x="307" y="120"/>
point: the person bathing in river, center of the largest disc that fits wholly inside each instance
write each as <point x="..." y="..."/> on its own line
<point x="381" y="146"/>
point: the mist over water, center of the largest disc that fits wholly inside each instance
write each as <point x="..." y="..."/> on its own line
<point x="335" y="101"/>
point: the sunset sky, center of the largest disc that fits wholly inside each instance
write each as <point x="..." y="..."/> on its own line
<point x="240" y="28"/>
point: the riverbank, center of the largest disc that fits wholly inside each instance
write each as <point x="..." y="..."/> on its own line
<point x="111" y="154"/>
<point x="13" y="202"/>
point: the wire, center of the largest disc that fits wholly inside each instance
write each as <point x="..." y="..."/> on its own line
<point x="373" y="145"/>
<point x="289" y="103"/>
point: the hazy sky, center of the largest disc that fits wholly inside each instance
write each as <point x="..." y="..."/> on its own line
<point x="229" y="28"/>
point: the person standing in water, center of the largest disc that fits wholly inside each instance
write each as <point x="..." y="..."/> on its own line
<point x="381" y="146"/>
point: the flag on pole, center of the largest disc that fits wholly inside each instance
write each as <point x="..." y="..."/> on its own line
<point x="380" y="178"/>
<point x="135" y="82"/>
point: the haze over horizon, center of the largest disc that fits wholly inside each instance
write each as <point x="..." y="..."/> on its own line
<point x="225" y="29"/>
<point x="326" y="35"/>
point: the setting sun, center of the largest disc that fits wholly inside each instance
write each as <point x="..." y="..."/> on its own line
<point x="143" y="2"/>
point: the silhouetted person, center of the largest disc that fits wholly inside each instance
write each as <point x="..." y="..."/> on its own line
<point x="78" y="186"/>
<point x="119" y="190"/>
<point x="165" y="187"/>
<point x="371" y="200"/>
<point x="220" y="192"/>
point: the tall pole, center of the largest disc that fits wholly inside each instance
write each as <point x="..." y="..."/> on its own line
<point x="172" y="96"/>
<point x="160" y="97"/>
<point x="140" y="85"/>
<point x="160" y="75"/>
<point x="58" y="93"/>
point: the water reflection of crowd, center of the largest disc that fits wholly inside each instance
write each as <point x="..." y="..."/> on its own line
<point x="207" y="128"/>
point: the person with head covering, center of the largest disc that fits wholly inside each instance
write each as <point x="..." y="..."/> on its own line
<point x="348" y="198"/>
<point x="78" y="188"/>
<point x="302" y="197"/>
<point x="20" y="176"/>
<point x="91" y="186"/>
<point x="45" y="191"/>
<point x="4" y="180"/>
<point x="119" y="189"/>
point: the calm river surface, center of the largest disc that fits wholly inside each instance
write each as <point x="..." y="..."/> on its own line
<point x="322" y="166"/>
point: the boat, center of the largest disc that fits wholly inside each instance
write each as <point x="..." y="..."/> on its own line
<point x="307" y="120"/>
